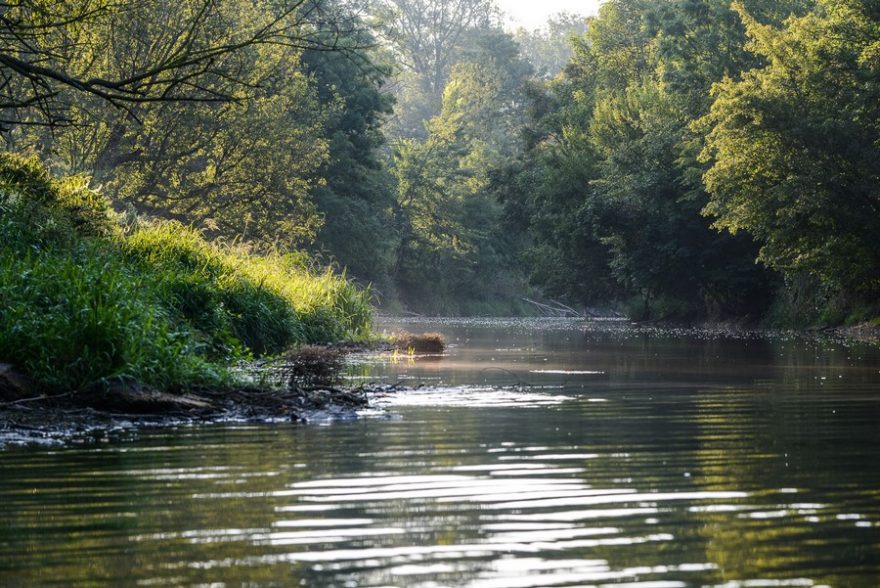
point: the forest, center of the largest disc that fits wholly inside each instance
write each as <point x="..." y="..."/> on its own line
<point x="233" y="177"/>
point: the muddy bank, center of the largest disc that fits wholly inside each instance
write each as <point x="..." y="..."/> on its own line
<point x="126" y="405"/>
<point x="306" y="384"/>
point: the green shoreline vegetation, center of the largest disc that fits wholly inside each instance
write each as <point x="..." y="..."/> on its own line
<point x="86" y="298"/>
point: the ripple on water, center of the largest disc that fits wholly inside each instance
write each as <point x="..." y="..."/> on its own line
<point x="697" y="470"/>
<point x="473" y="397"/>
<point x="515" y="515"/>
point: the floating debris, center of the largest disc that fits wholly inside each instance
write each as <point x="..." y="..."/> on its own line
<point x="419" y="343"/>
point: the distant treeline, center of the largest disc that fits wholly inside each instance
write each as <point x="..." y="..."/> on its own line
<point x="682" y="159"/>
<point x="696" y="159"/>
<point x="689" y="139"/>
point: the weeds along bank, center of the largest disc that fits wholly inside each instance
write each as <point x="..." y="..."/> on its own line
<point x="85" y="298"/>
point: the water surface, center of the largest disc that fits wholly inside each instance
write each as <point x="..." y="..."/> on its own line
<point x="535" y="453"/>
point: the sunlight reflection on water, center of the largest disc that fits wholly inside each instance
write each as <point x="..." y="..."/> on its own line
<point x="472" y="397"/>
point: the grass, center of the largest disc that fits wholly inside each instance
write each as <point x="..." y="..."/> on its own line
<point x="85" y="300"/>
<point x="419" y="343"/>
<point x="71" y="320"/>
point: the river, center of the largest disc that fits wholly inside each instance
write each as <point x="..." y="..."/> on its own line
<point x="534" y="453"/>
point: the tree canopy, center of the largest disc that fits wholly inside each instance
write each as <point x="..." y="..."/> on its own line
<point x="682" y="159"/>
<point x="794" y="146"/>
<point x="129" y="52"/>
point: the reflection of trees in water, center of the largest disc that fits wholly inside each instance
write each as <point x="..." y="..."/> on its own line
<point x="770" y="441"/>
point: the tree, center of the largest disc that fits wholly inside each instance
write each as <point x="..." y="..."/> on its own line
<point x="615" y="215"/>
<point x="241" y="168"/>
<point x="52" y="50"/>
<point x="548" y="49"/>
<point x="357" y="197"/>
<point x="454" y="255"/>
<point x="426" y="34"/>
<point x="426" y="38"/>
<point x="794" y="146"/>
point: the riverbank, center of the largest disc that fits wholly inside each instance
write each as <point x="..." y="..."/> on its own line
<point x="92" y="297"/>
<point x="125" y="406"/>
<point x="302" y="386"/>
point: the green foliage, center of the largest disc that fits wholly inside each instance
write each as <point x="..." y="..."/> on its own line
<point x="455" y="254"/>
<point x="70" y="320"/>
<point x="284" y="154"/>
<point x="683" y="141"/>
<point x="39" y="209"/>
<point x="82" y="303"/>
<point x="277" y="147"/>
<point x="761" y="115"/>
<point x="66" y="60"/>
<point x="610" y="185"/>
<point x="241" y="162"/>
<point x="356" y="199"/>
<point x="794" y="147"/>
<point x="266" y="302"/>
<point x="426" y="39"/>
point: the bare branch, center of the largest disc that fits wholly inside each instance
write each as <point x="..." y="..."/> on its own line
<point x="50" y="48"/>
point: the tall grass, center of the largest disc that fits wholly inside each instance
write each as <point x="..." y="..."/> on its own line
<point x="267" y="302"/>
<point x="70" y="320"/>
<point x="81" y="300"/>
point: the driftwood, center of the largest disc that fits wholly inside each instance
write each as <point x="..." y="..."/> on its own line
<point x="557" y="309"/>
<point x="126" y="395"/>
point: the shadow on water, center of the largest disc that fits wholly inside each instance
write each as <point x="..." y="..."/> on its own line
<point x="535" y="453"/>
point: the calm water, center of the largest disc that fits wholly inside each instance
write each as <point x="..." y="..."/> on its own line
<point x="536" y="454"/>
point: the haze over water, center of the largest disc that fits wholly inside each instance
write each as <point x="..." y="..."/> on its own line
<point x="536" y="453"/>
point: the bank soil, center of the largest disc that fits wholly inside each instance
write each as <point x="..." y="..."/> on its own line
<point x="286" y="394"/>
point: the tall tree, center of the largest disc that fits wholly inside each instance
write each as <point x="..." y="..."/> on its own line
<point x="426" y="34"/>
<point x="425" y="38"/>
<point x="794" y="146"/>
<point x="356" y="197"/>
<point x="454" y="256"/>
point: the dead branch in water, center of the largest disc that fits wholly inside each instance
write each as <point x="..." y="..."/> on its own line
<point x="557" y="309"/>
